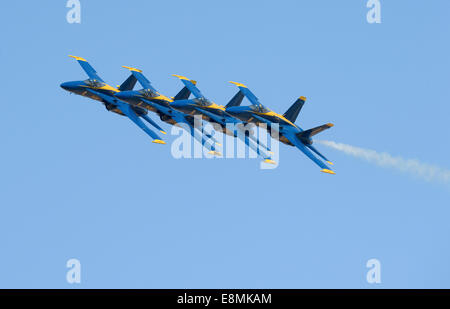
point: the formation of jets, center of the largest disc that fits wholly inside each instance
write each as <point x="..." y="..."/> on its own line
<point x="180" y="109"/>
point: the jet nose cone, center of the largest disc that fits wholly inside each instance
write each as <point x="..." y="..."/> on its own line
<point x="69" y="86"/>
<point x="65" y="86"/>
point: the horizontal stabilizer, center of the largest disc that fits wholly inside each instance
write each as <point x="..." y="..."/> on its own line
<point x="311" y="132"/>
<point x="293" y="111"/>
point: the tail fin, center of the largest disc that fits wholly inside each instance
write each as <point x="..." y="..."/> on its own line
<point x="293" y="111"/>
<point x="90" y="71"/>
<point x="184" y="93"/>
<point x="236" y="100"/>
<point x="306" y="135"/>
<point x="128" y="84"/>
<point x="145" y="83"/>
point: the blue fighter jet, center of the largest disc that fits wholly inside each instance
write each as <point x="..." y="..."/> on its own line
<point x="289" y="132"/>
<point x="95" y="88"/>
<point x="215" y="113"/>
<point x="150" y="99"/>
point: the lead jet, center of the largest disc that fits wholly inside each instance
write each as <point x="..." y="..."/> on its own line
<point x="217" y="114"/>
<point x="95" y="88"/>
<point x="289" y="132"/>
<point x="150" y="99"/>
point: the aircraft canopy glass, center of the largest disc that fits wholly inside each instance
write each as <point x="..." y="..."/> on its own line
<point x="94" y="83"/>
<point x="259" y="108"/>
<point x="203" y="101"/>
<point x="148" y="93"/>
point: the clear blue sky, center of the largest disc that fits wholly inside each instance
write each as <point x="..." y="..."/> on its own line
<point x="79" y="182"/>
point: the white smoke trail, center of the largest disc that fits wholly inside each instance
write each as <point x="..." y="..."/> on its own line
<point x="414" y="167"/>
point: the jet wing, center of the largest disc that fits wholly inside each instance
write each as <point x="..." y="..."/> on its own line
<point x="88" y="68"/>
<point x="128" y="111"/>
<point x="211" y="115"/>
<point x="295" y="141"/>
<point x="247" y="140"/>
<point x="319" y="154"/>
<point x="150" y="121"/>
<point x="191" y="86"/>
<point x="180" y="118"/>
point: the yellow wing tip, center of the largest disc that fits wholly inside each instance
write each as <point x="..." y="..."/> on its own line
<point x="132" y="69"/>
<point x="302" y="98"/>
<point x="77" y="58"/>
<point x="180" y="76"/>
<point x="219" y="144"/>
<point x="329" y="162"/>
<point x="163" y="132"/>
<point x="330" y="125"/>
<point x="158" y="141"/>
<point x="328" y="171"/>
<point x="238" y="84"/>
<point x="194" y="82"/>
<point x="215" y="153"/>
<point x="270" y="161"/>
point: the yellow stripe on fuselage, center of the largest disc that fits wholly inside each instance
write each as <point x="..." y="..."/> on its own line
<point x="108" y="87"/>
<point x="162" y="98"/>
<point x="273" y="114"/>
<point x="159" y="97"/>
<point x="216" y="106"/>
<point x="104" y="87"/>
